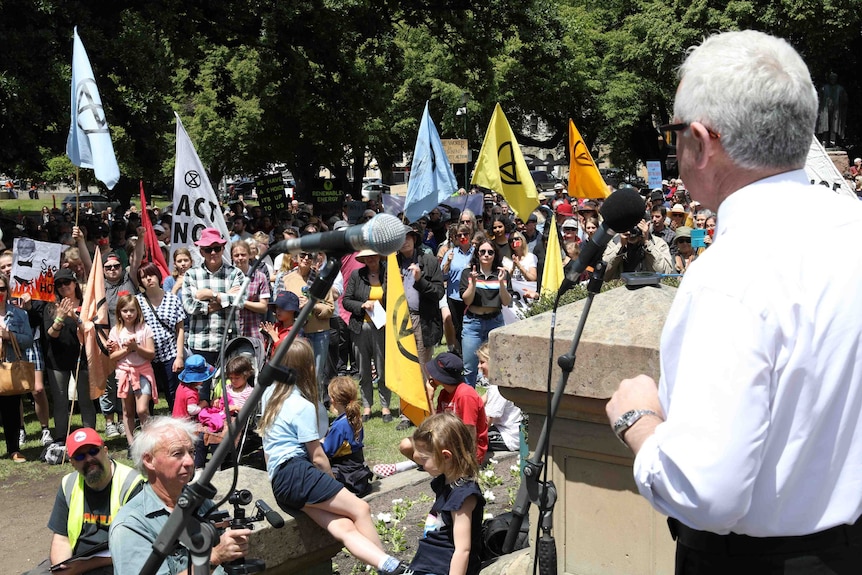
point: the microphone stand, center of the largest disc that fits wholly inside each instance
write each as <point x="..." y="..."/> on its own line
<point x="543" y="492"/>
<point x="185" y="524"/>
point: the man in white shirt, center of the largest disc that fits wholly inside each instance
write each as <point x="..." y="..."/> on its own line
<point x="752" y="441"/>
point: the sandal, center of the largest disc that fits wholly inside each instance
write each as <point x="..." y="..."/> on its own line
<point x="18" y="458"/>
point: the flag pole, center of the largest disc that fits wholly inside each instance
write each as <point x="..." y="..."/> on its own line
<point x="77" y="194"/>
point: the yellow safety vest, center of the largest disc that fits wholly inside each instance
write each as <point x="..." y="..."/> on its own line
<point x="123" y="482"/>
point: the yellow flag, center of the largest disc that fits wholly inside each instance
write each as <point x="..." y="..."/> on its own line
<point x="552" y="274"/>
<point x="585" y="180"/>
<point x="403" y="375"/>
<point x="501" y="167"/>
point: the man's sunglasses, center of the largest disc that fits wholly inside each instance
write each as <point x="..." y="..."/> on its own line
<point x="92" y="452"/>
<point x="112" y="267"/>
<point x="212" y="249"/>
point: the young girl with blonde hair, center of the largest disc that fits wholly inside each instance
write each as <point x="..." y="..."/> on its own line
<point x="445" y="448"/>
<point x="132" y="347"/>
<point x="299" y="469"/>
<point x="344" y="441"/>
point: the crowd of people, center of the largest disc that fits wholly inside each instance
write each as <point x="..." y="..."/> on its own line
<point x="464" y="274"/>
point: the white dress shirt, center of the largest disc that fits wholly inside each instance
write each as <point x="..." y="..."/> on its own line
<point x="761" y="362"/>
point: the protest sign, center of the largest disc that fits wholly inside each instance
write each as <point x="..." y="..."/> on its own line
<point x="270" y="194"/>
<point x="327" y="196"/>
<point x="33" y="267"/>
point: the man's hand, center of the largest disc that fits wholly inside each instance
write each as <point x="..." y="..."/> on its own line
<point x="416" y="271"/>
<point x="640" y="392"/>
<point x="233" y="544"/>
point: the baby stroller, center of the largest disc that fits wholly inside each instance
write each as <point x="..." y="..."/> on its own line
<point x="248" y="444"/>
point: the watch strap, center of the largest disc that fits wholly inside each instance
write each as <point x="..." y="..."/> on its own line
<point x="628" y="419"/>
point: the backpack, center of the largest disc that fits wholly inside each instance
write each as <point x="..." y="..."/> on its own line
<point x="494" y="535"/>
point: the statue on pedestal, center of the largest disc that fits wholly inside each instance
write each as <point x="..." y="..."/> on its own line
<point x="833" y="112"/>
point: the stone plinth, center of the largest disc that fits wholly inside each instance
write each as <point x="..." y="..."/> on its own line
<point x="301" y="547"/>
<point x="601" y="524"/>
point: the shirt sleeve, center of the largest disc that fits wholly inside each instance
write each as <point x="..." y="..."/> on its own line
<point x="468" y="408"/>
<point x="58" y="522"/>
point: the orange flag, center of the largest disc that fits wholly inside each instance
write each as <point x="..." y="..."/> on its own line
<point x="585" y="180"/>
<point x="94" y="319"/>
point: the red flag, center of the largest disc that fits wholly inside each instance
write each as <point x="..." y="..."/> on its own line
<point x="152" y="252"/>
<point x="94" y="319"/>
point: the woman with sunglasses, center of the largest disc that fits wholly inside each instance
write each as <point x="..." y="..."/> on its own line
<point x="454" y="263"/>
<point x="13" y="323"/>
<point x="484" y="291"/>
<point x="64" y="357"/>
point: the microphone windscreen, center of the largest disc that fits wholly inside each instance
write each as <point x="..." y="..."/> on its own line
<point x="623" y="210"/>
<point x="384" y="234"/>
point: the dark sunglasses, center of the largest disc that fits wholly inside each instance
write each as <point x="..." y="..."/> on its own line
<point x="466" y="221"/>
<point x="92" y="452"/>
<point x="212" y="249"/>
<point x="61" y="283"/>
<point x="305" y="256"/>
<point x="112" y="267"/>
<point x="486" y="252"/>
<point x="3" y="288"/>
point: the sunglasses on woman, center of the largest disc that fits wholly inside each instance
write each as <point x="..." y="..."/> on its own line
<point x="486" y="252"/>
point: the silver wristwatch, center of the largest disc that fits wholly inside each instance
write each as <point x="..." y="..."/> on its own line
<point x="628" y="419"/>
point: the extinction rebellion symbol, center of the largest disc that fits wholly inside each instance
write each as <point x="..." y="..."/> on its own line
<point x="508" y="168"/>
<point x="193" y="179"/>
<point x="91" y="114"/>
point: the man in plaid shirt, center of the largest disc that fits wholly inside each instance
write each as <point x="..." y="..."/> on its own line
<point x="209" y="290"/>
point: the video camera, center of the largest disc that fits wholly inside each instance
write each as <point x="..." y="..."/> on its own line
<point x="222" y="520"/>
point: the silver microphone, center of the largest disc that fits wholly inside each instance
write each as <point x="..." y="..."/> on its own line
<point x="384" y="234"/>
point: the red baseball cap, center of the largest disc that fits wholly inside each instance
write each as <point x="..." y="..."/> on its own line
<point x="564" y="209"/>
<point x="82" y="437"/>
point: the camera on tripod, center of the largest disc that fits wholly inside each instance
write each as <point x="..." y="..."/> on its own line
<point x="222" y="520"/>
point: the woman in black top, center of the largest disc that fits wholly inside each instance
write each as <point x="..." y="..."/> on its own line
<point x="366" y="286"/>
<point x="63" y="352"/>
<point x="484" y="291"/>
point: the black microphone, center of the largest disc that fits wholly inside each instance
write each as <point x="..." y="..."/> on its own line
<point x="621" y="211"/>
<point x="384" y="234"/>
<point x="271" y="515"/>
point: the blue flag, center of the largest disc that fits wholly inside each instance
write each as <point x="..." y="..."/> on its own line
<point x="431" y="177"/>
<point x="89" y="144"/>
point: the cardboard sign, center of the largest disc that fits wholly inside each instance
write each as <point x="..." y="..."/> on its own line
<point x="271" y="195"/>
<point x="33" y="268"/>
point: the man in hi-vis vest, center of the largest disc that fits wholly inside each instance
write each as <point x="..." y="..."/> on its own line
<point x="87" y="501"/>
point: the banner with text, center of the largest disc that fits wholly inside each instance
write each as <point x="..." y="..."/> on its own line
<point x="196" y="205"/>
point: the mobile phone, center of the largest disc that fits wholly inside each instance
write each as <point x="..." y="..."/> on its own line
<point x="697" y="238"/>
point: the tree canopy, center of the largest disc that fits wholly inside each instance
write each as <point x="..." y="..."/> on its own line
<point x="333" y="83"/>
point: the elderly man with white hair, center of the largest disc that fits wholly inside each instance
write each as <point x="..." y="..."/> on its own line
<point x="163" y="451"/>
<point x="756" y="458"/>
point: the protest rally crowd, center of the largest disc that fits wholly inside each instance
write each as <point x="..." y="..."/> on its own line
<point x="735" y="466"/>
<point x="463" y="274"/>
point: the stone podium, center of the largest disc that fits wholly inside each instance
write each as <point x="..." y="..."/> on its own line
<point x="601" y="524"/>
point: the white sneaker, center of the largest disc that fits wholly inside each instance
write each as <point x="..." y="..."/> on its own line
<point x="46" y="437"/>
<point x="22" y="437"/>
<point x="121" y="429"/>
<point x="111" y="430"/>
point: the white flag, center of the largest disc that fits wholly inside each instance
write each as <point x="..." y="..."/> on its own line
<point x="89" y="144"/>
<point x="196" y="205"/>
